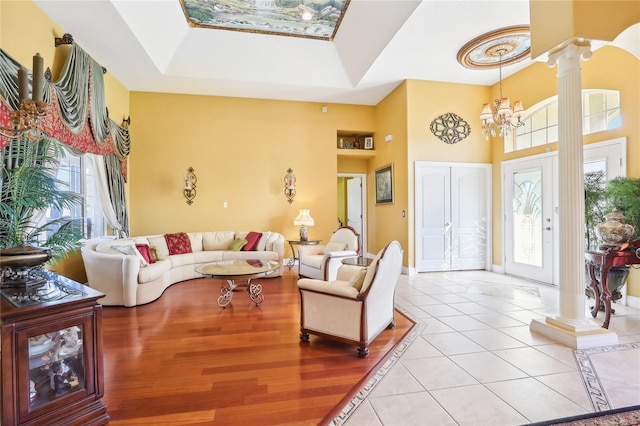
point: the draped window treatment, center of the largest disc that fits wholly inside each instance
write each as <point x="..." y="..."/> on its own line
<point x="79" y="119"/>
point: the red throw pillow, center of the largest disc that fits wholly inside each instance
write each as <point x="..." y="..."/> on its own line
<point x="146" y="253"/>
<point x="252" y="241"/>
<point x="178" y="243"/>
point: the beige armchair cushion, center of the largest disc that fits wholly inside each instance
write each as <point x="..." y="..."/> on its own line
<point x="358" y="279"/>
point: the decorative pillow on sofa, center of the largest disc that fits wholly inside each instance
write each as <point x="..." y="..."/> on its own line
<point x="130" y="250"/>
<point x="145" y="252"/>
<point x="155" y="253"/>
<point x="160" y="245"/>
<point x="333" y="246"/>
<point x="178" y="243"/>
<point x="262" y="242"/>
<point x="237" y="244"/>
<point x="252" y="241"/>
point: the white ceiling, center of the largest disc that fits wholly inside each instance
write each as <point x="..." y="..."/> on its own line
<point x="148" y="46"/>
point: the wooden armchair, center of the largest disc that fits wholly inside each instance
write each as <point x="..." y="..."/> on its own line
<point x="357" y="306"/>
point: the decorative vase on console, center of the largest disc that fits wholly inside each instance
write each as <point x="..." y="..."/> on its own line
<point x="614" y="231"/>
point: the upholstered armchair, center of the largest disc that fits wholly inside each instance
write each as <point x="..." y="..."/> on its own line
<point x="357" y="306"/>
<point x="322" y="261"/>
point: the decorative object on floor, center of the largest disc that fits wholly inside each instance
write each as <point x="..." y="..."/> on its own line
<point x="304" y="219"/>
<point x="190" y="180"/>
<point x="500" y="47"/>
<point x="308" y="19"/>
<point x="27" y="118"/>
<point x="384" y="185"/>
<point x="450" y="128"/>
<point x="290" y="185"/>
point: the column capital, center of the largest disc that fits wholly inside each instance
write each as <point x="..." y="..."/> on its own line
<point x="570" y="53"/>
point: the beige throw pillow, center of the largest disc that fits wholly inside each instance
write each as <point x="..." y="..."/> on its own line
<point x="358" y="279"/>
<point x="333" y="246"/>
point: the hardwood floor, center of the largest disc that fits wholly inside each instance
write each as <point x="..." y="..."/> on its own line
<point x="183" y="360"/>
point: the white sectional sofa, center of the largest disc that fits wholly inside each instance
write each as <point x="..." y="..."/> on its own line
<point x="128" y="279"/>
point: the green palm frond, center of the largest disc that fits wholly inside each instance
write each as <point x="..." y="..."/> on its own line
<point x="29" y="186"/>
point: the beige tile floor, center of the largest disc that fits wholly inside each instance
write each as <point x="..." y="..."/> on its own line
<point x="472" y="359"/>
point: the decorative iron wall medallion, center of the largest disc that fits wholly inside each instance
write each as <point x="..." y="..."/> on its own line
<point x="450" y="128"/>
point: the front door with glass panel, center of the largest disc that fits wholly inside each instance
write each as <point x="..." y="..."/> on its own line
<point x="531" y="243"/>
<point x="529" y="219"/>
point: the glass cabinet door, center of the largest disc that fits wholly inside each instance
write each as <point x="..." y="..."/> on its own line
<point x="55" y="371"/>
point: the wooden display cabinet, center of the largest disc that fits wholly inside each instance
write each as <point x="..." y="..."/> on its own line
<point x="52" y="368"/>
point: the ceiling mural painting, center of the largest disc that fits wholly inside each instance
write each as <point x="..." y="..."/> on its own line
<point x="316" y="19"/>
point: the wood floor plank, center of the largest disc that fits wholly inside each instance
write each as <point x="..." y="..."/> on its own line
<point x="183" y="360"/>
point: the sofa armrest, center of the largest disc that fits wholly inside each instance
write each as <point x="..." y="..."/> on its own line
<point x="342" y="254"/>
<point x="114" y="275"/>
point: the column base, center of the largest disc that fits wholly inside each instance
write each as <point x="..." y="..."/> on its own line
<point x="587" y="334"/>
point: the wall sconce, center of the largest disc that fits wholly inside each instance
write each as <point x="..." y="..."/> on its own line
<point x="290" y="185"/>
<point x="304" y="219"/>
<point x="190" y="180"/>
<point x="27" y="117"/>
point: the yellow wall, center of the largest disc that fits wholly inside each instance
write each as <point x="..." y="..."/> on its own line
<point x="385" y="221"/>
<point x="240" y="150"/>
<point x="428" y="100"/>
<point x="555" y="22"/>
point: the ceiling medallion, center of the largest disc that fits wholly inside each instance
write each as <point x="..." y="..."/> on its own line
<point x="450" y="128"/>
<point x="500" y="47"/>
<point x="315" y="20"/>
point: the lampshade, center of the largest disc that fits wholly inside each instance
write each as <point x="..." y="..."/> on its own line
<point x="303" y="218"/>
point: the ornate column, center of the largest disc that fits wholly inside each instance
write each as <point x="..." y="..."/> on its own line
<point x="571" y="326"/>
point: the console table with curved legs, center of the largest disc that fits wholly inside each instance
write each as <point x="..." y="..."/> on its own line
<point x="606" y="258"/>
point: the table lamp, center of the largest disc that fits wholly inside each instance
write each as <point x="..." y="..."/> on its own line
<point x="303" y="219"/>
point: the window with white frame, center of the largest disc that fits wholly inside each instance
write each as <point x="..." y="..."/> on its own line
<point x="75" y="174"/>
<point x="600" y="111"/>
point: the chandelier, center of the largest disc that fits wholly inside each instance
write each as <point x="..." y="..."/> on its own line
<point x="26" y="119"/>
<point x="501" y="118"/>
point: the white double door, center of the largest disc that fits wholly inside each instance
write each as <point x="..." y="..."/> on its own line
<point x="530" y="196"/>
<point x="452" y="216"/>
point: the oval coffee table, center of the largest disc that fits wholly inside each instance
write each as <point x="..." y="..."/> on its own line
<point x="233" y="270"/>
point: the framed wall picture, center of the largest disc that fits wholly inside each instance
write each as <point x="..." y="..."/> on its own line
<point x="368" y="143"/>
<point x="384" y="185"/>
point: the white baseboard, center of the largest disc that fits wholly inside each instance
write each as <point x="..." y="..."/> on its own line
<point x="498" y="269"/>
<point x="633" y="301"/>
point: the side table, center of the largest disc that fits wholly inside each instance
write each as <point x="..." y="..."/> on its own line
<point x="294" y="255"/>
<point x="357" y="261"/>
<point x="606" y="257"/>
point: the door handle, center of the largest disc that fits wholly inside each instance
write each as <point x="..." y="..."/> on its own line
<point x="548" y="228"/>
<point x="447" y="226"/>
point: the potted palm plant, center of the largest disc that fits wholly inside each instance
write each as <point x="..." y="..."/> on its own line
<point x="620" y="195"/>
<point x="29" y="188"/>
